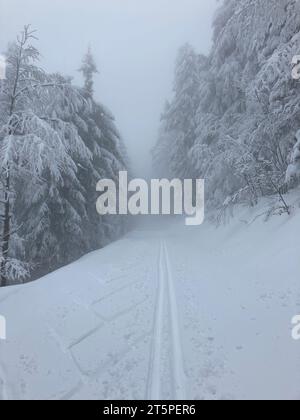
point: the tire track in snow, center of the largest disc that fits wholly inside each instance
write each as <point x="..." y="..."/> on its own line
<point x="166" y="296"/>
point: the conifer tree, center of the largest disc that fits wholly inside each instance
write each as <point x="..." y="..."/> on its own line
<point x="88" y="69"/>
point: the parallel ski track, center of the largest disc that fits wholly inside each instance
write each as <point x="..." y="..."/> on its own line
<point x="166" y="299"/>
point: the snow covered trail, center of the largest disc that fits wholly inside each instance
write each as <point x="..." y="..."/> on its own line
<point x="173" y="313"/>
<point x="166" y="303"/>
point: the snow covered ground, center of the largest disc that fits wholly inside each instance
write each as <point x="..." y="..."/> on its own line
<point x="197" y="313"/>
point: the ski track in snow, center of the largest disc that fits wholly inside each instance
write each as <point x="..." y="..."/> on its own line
<point x="177" y="354"/>
<point x="166" y="296"/>
<point x="178" y="314"/>
<point x="153" y="392"/>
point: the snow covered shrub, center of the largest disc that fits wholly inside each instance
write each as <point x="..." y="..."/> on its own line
<point x="293" y="171"/>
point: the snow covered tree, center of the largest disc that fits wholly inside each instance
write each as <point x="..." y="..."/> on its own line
<point x="34" y="152"/>
<point x="55" y="144"/>
<point x="17" y="90"/>
<point x="249" y="104"/>
<point x="88" y="69"/>
<point x="178" y="119"/>
<point x="97" y="129"/>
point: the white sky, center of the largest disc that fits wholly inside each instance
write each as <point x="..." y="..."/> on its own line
<point x="135" y="43"/>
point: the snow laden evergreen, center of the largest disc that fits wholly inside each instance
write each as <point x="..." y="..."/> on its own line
<point x="245" y="107"/>
<point x="178" y="129"/>
<point x="88" y="69"/>
<point x="56" y="142"/>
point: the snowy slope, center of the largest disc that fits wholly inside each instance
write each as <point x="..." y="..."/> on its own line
<point x="198" y="313"/>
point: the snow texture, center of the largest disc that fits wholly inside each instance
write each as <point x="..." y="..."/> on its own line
<point x="200" y="314"/>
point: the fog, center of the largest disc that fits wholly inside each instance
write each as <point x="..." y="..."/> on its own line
<point x="135" y="43"/>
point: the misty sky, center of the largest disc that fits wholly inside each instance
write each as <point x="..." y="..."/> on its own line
<point x="135" y="43"/>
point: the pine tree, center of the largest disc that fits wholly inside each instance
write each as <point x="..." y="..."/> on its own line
<point x="178" y="120"/>
<point x="249" y="104"/>
<point x="56" y="143"/>
<point x="88" y="69"/>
